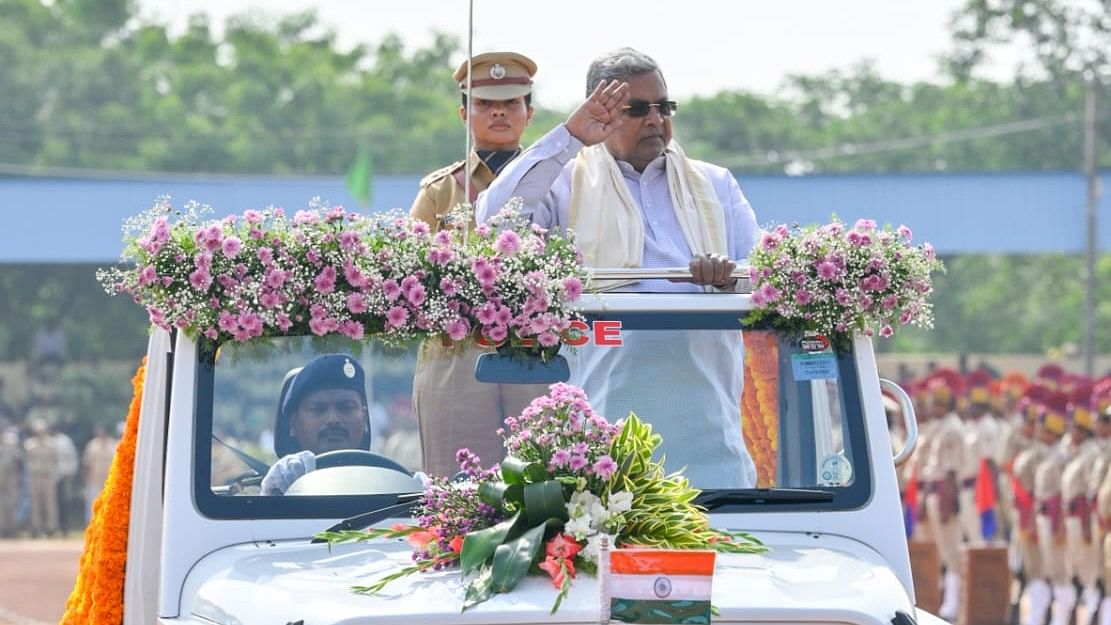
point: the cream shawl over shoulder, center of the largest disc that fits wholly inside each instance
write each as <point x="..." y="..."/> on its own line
<point x="608" y="225"/>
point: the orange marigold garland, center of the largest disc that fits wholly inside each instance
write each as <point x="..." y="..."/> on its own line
<point x="97" y="596"/>
<point x="760" y="403"/>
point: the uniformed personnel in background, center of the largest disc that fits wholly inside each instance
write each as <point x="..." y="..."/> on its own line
<point x="11" y="467"/>
<point x="981" y="437"/>
<point x="1017" y="435"/>
<point x="1050" y="507"/>
<point x="452" y="408"/>
<point x="1100" y="551"/>
<point x="944" y="459"/>
<point x="1036" y="589"/>
<point x="1103" y="509"/>
<point x="41" y="457"/>
<point x="96" y="461"/>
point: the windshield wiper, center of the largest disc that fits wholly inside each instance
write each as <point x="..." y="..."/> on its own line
<point x="731" y="496"/>
<point x="404" y="507"/>
<point x="255" y="464"/>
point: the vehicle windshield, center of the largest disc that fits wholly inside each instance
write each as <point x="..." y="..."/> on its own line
<point x="735" y="410"/>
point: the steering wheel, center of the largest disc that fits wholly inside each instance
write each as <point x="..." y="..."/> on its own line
<point x="358" y="457"/>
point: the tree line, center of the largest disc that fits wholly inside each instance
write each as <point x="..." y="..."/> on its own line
<point x="88" y="84"/>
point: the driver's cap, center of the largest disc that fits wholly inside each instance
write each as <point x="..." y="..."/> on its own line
<point x="330" y="371"/>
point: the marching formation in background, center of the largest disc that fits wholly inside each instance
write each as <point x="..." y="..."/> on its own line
<point x="1022" y="462"/>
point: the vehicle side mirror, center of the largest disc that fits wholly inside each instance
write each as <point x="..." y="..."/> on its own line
<point x="497" y="368"/>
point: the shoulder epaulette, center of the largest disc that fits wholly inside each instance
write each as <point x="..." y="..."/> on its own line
<point x="440" y="173"/>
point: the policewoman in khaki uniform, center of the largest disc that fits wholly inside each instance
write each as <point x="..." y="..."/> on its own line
<point x="1037" y="590"/>
<point x="1084" y="451"/>
<point x="944" y="459"/>
<point x="452" y="408"/>
<point x="1099" y="491"/>
<point x="1103" y="509"/>
<point x="981" y="438"/>
<point x="1050" y="507"/>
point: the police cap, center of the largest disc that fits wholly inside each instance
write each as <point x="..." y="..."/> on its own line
<point x="497" y="75"/>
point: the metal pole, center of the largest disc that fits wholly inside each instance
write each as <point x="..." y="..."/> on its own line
<point x="470" y="137"/>
<point x="1090" y="224"/>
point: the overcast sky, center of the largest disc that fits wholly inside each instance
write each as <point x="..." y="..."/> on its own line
<point x="704" y="46"/>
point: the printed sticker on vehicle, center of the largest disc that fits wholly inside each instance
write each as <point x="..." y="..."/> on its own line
<point x="836" y="470"/>
<point x="815" y="360"/>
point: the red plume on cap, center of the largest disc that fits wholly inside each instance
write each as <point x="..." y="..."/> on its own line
<point x="946" y="384"/>
<point x="1032" y="403"/>
<point x="1037" y="393"/>
<point x="1101" y="395"/>
<point x="914" y="388"/>
<point x="951" y="379"/>
<point x="1050" y="371"/>
<point x="1014" y="383"/>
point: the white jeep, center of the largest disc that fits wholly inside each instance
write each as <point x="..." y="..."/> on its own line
<point x="206" y="547"/>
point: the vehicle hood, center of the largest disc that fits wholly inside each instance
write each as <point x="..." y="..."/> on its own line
<point x="803" y="577"/>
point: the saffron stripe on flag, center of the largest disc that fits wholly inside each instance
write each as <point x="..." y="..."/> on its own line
<point x="660" y="586"/>
<point x="662" y="561"/>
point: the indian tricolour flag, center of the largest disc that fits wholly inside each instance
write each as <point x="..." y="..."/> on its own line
<point x="658" y="585"/>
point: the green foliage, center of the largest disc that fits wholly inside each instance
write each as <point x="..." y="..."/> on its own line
<point x="97" y="327"/>
<point x="1040" y="298"/>
<point x="663" y="514"/>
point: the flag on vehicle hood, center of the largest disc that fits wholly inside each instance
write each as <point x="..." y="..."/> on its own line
<point x="658" y="585"/>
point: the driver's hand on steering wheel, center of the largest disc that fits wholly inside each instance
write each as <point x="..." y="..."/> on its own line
<point x="286" y="471"/>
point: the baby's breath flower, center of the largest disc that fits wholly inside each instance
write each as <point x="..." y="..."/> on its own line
<point x="835" y="281"/>
<point x="327" y="271"/>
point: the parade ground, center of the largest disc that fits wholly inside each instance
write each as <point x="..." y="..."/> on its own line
<point x="36" y="577"/>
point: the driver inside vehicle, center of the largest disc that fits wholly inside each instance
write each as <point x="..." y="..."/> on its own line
<point x="322" y="408"/>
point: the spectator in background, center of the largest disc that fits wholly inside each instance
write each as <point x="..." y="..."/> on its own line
<point x="11" y="461"/>
<point x="49" y="343"/>
<point x="95" y="462"/>
<point x="68" y="463"/>
<point x="41" y="457"/>
<point x="7" y="412"/>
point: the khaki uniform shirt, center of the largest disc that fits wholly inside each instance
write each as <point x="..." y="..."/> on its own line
<point x="10" y="455"/>
<point x="440" y="193"/>
<point x="981" y="440"/>
<point x="1027" y="462"/>
<point x="913" y="469"/>
<point x="1047" y="477"/>
<point x="1103" y="508"/>
<point x="1100" y="467"/>
<point x="947" y="451"/>
<point x="41" y="456"/>
<point x="97" y="460"/>
<point x="1010" y="445"/>
<point x="1074" y="479"/>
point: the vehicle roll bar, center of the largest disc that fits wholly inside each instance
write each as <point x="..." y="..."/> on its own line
<point x="664" y="273"/>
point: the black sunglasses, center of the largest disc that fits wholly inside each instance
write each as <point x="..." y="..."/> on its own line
<point x="640" y="108"/>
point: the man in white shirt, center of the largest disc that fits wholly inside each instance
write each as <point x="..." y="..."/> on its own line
<point x="612" y="174"/>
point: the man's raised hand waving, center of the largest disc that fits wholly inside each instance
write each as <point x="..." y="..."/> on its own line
<point x="600" y="114"/>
